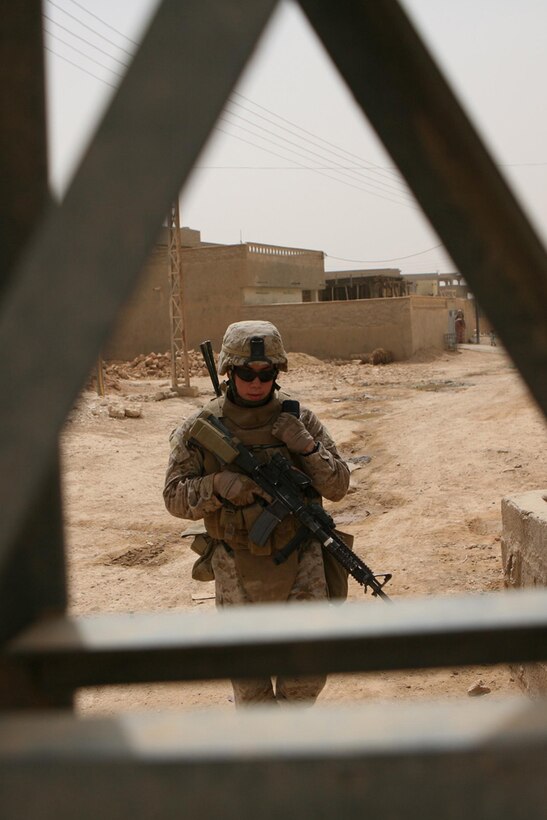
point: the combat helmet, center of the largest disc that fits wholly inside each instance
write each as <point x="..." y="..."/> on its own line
<point x="250" y="341"/>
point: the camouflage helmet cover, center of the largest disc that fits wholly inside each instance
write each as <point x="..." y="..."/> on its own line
<point x="236" y="345"/>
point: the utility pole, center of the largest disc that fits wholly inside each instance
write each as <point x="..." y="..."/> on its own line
<point x="477" y="323"/>
<point x="179" y="350"/>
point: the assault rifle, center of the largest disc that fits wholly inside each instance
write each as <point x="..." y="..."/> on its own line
<point x="287" y="487"/>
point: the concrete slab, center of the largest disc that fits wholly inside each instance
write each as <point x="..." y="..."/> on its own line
<point x="524" y="554"/>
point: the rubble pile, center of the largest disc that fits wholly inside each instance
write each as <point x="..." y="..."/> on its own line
<point x="378" y="356"/>
<point x="153" y="366"/>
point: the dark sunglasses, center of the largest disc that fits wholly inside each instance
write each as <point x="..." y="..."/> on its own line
<point x="247" y="374"/>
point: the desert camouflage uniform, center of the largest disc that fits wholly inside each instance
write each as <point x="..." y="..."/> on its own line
<point x="245" y="573"/>
<point x="308" y="585"/>
<point x="189" y="494"/>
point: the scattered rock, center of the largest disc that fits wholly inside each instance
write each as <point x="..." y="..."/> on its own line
<point x="133" y="412"/>
<point x="477" y="689"/>
<point x="359" y="459"/>
<point x="116" y="412"/>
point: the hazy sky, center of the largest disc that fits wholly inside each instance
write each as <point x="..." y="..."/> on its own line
<point x="291" y="113"/>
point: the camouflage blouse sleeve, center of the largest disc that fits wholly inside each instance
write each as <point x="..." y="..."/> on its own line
<point x="187" y="493"/>
<point x="328" y="472"/>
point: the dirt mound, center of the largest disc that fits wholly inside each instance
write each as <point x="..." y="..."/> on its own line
<point x="426" y="354"/>
<point x="298" y="360"/>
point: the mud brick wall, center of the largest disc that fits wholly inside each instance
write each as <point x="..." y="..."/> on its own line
<point x="218" y="280"/>
<point x="341" y="329"/>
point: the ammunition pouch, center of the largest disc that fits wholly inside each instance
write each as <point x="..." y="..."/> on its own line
<point x="233" y="525"/>
<point x="204" y="546"/>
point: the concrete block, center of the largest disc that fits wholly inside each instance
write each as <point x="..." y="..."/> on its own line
<point x="524" y="555"/>
<point x="186" y="391"/>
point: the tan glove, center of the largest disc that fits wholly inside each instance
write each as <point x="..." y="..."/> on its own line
<point x="236" y="488"/>
<point x="293" y="433"/>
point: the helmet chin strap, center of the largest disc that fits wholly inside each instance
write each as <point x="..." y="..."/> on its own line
<point x="234" y="396"/>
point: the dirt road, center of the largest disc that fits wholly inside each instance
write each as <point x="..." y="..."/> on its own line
<point x="447" y="438"/>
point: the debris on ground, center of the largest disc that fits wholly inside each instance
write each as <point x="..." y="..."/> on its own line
<point x="378" y="356"/>
<point x="477" y="689"/>
<point x="149" y="366"/>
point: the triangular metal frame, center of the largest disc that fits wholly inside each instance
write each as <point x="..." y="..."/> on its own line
<point x="71" y="278"/>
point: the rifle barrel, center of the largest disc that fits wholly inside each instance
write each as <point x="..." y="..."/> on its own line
<point x="209" y="359"/>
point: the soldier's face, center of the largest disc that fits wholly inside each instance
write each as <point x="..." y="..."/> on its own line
<point x="255" y="390"/>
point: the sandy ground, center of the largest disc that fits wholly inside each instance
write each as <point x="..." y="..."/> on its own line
<point x="448" y="436"/>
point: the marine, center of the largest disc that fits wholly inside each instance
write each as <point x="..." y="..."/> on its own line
<point x="198" y="487"/>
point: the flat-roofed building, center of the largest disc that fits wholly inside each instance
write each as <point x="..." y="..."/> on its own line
<point x="218" y="281"/>
<point x="448" y="285"/>
<point x="378" y="283"/>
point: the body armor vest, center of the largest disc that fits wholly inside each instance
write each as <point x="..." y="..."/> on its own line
<point x="252" y="426"/>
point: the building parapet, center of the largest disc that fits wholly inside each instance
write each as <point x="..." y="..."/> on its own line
<point x="280" y="250"/>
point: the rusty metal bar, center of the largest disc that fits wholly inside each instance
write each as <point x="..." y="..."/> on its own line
<point x="303" y="638"/>
<point x="83" y="261"/>
<point x="429" y="136"/>
<point x="33" y="581"/>
<point x="23" y="150"/>
<point x="482" y="761"/>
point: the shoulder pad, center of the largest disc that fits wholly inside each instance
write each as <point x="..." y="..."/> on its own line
<point x="215" y="407"/>
<point x="282" y="396"/>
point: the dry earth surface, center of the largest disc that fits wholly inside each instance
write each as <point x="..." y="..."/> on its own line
<point x="448" y="436"/>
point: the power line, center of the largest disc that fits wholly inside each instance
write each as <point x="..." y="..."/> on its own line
<point x="330" y="256"/>
<point x="90" y="28"/>
<point x="83" y="39"/>
<point x="276" y="144"/>
<point x="372" y="167"/>
<point x="324" y="167"/>
<point x="79" y="67"/>
<point x="83" y="54"/>
<point x="378" y="261"/>
<point x="397" y="185"/>
<point x="335" y="179"/>
<point x="275" y="167"/>
<point x="373" y="183"/>
<point x="292" y="151"/>
<point x="100" y="19"/>
<point x="235" y="136"/>
<point x="379" y="168"/>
